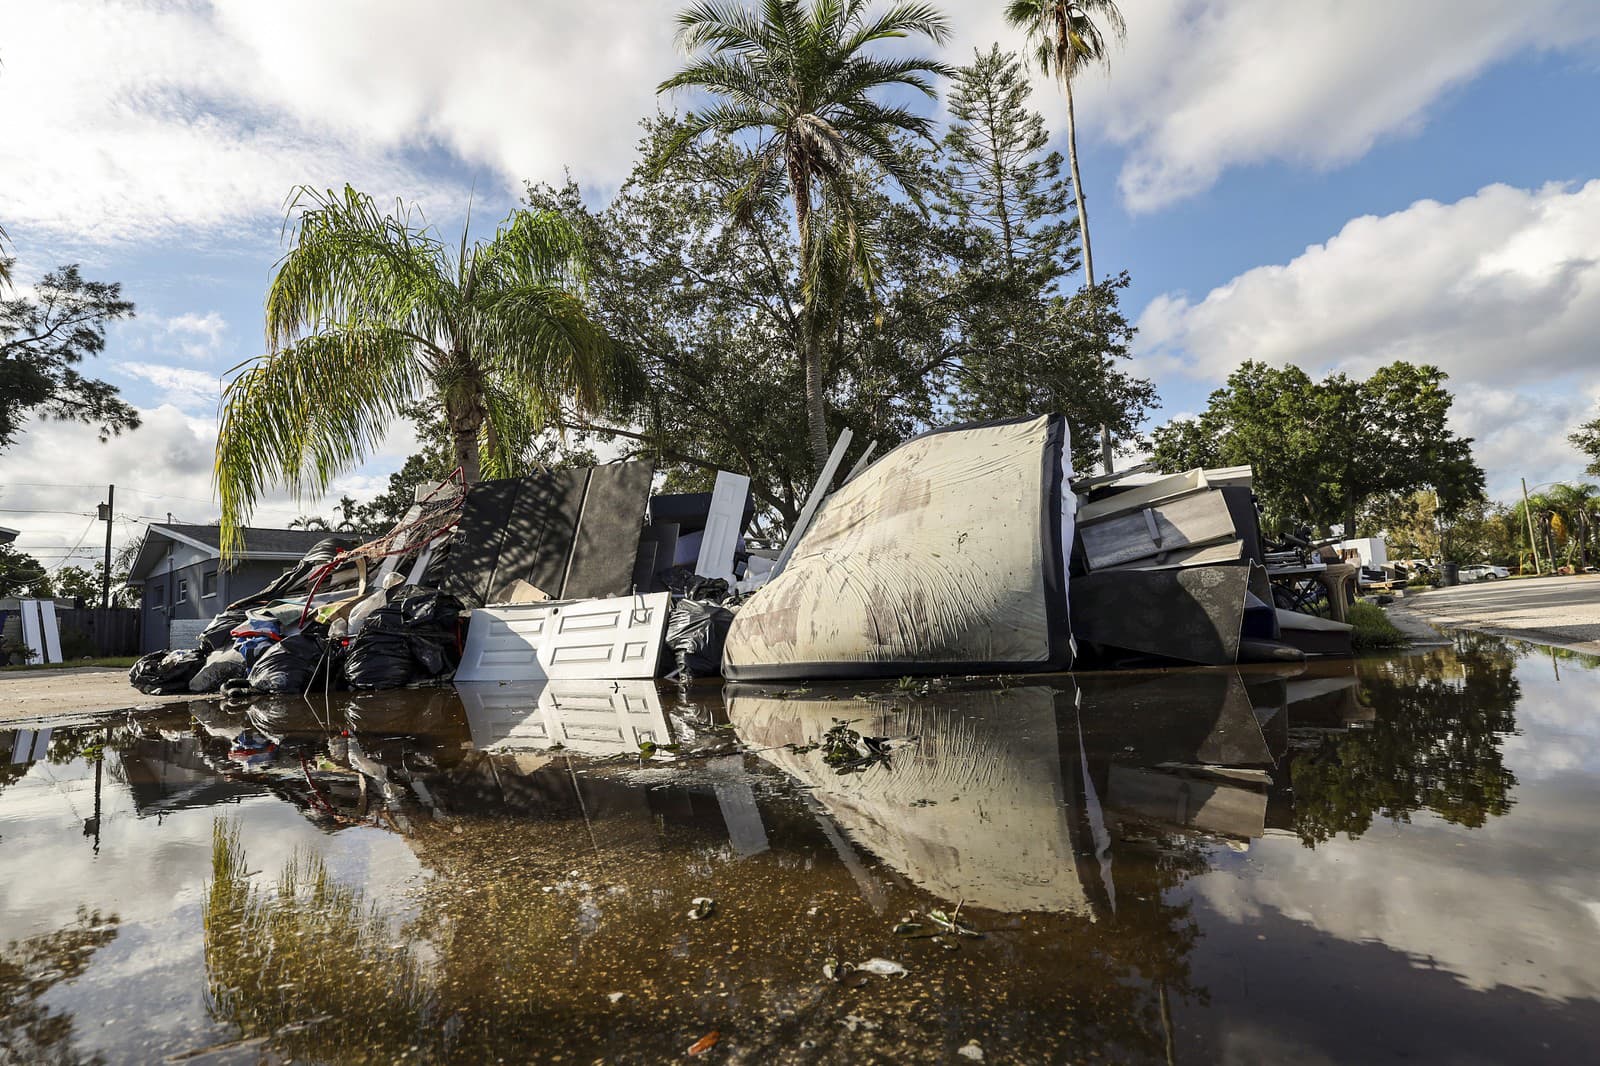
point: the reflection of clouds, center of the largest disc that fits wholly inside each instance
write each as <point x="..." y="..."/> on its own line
<point x="1557" y="728"/>
<point x="151" y="977"/>
<point x="1508" y="905"/>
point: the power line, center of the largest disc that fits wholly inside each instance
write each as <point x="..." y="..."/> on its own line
<point x="75" y="547"/>
<point x="65" y="485"/>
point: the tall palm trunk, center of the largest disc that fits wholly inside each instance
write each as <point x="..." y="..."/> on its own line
<point x="810" y="334"/>
<point x="465" y="415"/>
<point x="1083" y="236"/>
<point x="1077" y="188"/>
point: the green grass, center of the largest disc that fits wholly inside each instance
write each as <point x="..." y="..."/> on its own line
<point x="120" y="661"/>
<point x="1373" y="629"/>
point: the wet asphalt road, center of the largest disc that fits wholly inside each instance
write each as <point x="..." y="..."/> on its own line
<point x="1558" y="610"/>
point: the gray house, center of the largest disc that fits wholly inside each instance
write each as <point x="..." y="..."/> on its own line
<point x="186" y="585"/>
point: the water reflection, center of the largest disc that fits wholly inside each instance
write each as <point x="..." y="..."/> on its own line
<point x="1121" y="840"/>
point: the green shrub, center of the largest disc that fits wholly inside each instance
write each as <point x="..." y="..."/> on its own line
<point x="1373" y="629"/>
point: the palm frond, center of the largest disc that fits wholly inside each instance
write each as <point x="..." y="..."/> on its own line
<point x="542" y="337"/>
<point x="353" y="264"/>
<point x="901" y="20"/>
<point x="300" y="416"/>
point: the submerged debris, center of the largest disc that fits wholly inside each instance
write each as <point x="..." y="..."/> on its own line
<point x="702" y="907"/>
<point x="883" y="968"/>
<point x="705" y="1043"/>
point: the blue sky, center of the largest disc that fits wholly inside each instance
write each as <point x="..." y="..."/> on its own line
<point x="1331" y="184"/>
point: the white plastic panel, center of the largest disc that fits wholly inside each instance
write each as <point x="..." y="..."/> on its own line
<point x="31" y="637"/>
<point x="613" y="638"/>
<point x="52" y="631"/>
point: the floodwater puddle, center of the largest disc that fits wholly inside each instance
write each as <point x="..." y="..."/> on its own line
<point x="1390" y="858"/>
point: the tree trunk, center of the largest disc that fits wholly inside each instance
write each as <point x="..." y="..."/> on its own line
<point x="1077" y="190"/>
<point x="810" y="339"/>
<point x="1106" y="456"/>
<point x="466" y="418"/>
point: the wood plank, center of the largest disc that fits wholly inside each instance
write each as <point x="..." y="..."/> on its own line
<point x="605" y="544"/>
<point x="819" y="492"/>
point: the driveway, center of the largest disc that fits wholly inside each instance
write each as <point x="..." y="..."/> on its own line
<point x="1553" y="610"/>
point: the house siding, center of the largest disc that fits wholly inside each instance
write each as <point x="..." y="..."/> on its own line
<point x="169" y="611"/>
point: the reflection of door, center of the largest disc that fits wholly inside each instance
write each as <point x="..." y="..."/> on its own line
<point x="590" y="717"/>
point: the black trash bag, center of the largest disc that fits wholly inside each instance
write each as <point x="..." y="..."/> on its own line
<point x="289" y="665"/>
<point x="218" y="635"/>
<point x="696" y="632"/>
<point x="293" y="579"/>
<point x="162" y="673"/>
<point x="683" y="581"/>
<point x="410" y="638"/>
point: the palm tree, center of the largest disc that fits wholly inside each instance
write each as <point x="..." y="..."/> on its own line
<point x="1066" y="41"/>
<point x="369" y="312"/>
<point x="1575" y="509"/>
<point x="799" y="75"/>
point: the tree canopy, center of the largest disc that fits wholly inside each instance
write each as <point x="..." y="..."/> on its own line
<point x="1586" y="438"/>
<point x="956" y="327"/>
<point x="1325" y="451"/>
<point x="44" y="337"/>
<point x="802" y="76"/>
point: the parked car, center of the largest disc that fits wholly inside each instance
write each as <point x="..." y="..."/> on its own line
<point x="1483" y="572"/>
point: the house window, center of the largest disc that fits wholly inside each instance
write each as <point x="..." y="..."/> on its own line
<point x="183" y="588"/>
<point x="208" y="584"/>
<point x="158" y="594"/>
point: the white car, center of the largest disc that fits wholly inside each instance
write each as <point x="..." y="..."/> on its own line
<point x="1483" y="572"/>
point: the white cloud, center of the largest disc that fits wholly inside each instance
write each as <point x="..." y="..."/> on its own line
<point x="199" y="336"/>
<point x="57" y="472"/>
<point x="1204" y="85"/>
<point x="145" y="120"/>
<point x="188" y="390"/>
<point x="1501" y="289"/>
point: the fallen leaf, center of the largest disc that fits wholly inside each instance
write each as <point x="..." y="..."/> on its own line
<point x="705" y="1043"/>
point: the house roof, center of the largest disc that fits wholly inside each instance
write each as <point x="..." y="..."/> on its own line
<point x="259" y="543"/>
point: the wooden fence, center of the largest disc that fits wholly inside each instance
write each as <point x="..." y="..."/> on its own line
<point x="98" y="632"/>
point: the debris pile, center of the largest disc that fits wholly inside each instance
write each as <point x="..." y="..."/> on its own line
<point x="970" y="549"/>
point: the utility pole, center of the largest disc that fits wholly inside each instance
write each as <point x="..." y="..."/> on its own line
<point x="1533" y="538"/>
<point x="106" y="515"/>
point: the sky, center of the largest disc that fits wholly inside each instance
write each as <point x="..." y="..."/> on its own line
<point x="1331" y="184"/>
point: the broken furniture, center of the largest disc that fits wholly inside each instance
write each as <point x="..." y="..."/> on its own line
<point x="572" y="534"/>
<point x="1337" y="579"/>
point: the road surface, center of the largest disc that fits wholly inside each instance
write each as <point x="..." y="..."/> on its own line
<point x="30" y="694"/>
<point x="1564" y="611"/>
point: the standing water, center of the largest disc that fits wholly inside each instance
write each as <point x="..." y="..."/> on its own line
<point x="1390" y="859"/>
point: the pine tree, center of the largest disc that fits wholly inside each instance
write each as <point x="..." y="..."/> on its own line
<point x="999" y="177"/>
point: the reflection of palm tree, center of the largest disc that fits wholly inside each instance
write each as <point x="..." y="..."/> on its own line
<point x="1435" y="745"/>
<point x="313" y="949"/>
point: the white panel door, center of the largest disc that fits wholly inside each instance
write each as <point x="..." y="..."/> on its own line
<point x="32" y="638"/>
<point x="52" y="631"/>
<point x="614" y="638"/>
<point x="724" y="524"/>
